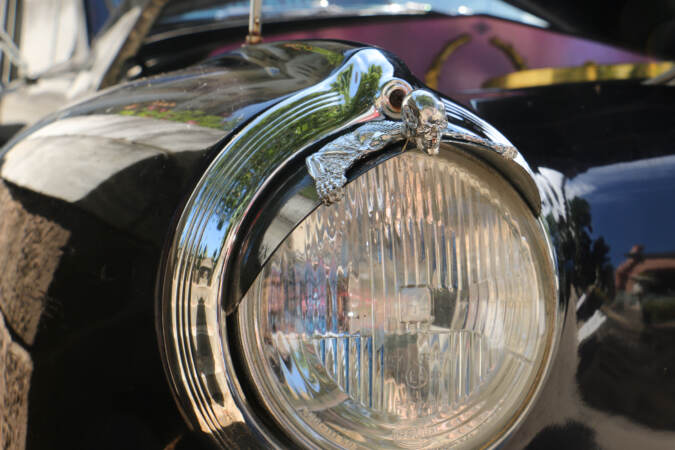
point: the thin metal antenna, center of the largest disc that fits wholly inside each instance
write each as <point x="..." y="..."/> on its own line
<point x="255" y="23"/>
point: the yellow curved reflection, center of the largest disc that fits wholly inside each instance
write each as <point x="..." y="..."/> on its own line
<point x="434" y="71"/>
<point x="588" y="72"/>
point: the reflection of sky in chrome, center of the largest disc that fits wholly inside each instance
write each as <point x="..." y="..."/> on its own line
<point x="631" y="203"/>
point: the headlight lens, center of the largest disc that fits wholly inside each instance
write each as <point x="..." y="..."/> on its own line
<point x="419" y="311"/>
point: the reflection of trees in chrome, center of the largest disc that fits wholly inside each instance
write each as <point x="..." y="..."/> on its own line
<point x="289" y="128"/>
<point x="165" y="110"/>
<point x="333" y="57"/>
<point x="584" y="259"/>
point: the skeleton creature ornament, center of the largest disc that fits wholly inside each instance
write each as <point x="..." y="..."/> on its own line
<point x="424" y="120"/>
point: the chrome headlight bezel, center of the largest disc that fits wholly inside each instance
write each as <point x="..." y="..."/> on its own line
<point x="236" y="218"/>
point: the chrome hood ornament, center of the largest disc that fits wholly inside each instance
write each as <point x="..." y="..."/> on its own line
<point x="421" y="119"/>
<point x="424" y="120"/>
<point x="329" y="165"/>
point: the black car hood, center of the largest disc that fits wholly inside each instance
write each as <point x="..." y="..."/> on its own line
<point x="648" y="27"/>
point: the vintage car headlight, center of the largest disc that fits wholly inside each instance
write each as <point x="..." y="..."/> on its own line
<point x="331" y="290"/>
<point x="416" y="312"/>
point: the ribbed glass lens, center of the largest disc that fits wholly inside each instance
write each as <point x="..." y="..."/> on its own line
<point x="416" y="312"/>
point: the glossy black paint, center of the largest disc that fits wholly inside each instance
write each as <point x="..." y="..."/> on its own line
<point x="646" y="27"/>
<point x="607" y="149"/>
<point x="573" y="127"/>
<point x="97" y="375"/>
<point x="97" y="380"/>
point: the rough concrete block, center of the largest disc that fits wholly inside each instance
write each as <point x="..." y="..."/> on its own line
<point x="16" y="368"/>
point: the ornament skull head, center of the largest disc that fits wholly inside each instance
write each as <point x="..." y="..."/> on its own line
<point x="424" y="120"/>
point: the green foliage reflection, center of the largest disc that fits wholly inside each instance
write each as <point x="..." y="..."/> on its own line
<point x="287" y="129"/>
